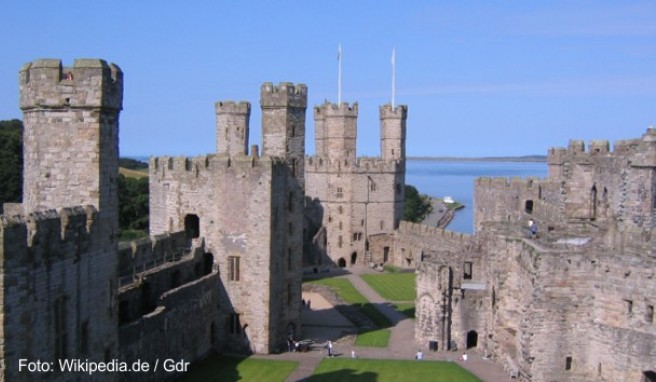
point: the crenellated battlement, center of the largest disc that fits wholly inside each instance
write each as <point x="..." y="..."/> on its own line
<point x="333" y="110"/>
<point x="398" y="112"/>
<point x="139" y="254"/>
<point x="406" y="227"/>
<point x="48" y="233"/>
<point x="360" y="165"/>
<point x="285" y="94"/>
<point x="90" y="83"/>
<point x="232" y="107"/>
<point x="514" y="183"/>
<point x="208" y="165"/>
<point x="642" y="149"/>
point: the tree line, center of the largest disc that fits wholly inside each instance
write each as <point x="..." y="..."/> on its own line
<point x="132" y="192"/>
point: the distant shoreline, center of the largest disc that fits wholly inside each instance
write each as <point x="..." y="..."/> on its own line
<point x="525" y="158"/>
<point x="519" y="159"/>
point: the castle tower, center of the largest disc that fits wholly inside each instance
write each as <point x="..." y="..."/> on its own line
<point x="392" y="132"/>
<point x="232" y="127"/>
<point x="283" y="124"/>
<point x="71" y="135"/>
<point x="340" y="130"/>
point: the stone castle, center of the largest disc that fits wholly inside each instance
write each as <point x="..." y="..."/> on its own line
<point x="232" y="231"/>
<point x="576" y="303"/>
<point x="222" y="268"/>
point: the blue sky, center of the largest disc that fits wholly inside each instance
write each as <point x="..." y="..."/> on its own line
<point x="480" y="78"/>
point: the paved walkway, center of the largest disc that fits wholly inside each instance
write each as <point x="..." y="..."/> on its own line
<point x="323" y="322"/>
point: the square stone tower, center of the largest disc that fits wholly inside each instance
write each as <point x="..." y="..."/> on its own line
<point x="71" y="136"/>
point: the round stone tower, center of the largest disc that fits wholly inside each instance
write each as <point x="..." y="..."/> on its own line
<point x="392" y="132"/>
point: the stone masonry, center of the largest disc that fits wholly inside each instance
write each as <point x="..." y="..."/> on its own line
<point x="221" y="270"/>
<point x="351" y="199"/>
<point x="230" y="232"/>
<point x="576" y="303"/>
<point x="247" y="210"/>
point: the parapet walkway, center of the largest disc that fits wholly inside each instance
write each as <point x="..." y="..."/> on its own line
<point x="325" y="323"/>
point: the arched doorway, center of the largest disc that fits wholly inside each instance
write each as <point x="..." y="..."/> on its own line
<point x="341" y="262"/>
<point x="472" y="339"/>
<point x="192" y="226"/>
<point x="354" y="257"/>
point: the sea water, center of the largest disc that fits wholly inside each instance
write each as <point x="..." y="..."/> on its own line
<point x="456" y="179"/>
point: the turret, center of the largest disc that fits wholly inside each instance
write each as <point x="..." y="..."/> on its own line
<point x="70" y="152"/>
<point x="340" y="130"/>
<point x="392" y="132"/>
<point x="283" y="124"/>
<point x="232" y="127"/>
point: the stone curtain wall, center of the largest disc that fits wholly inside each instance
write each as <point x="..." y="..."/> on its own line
<point x="180" y="328"/>
<point x="600" y="184"/>
<point x="180" y="187"/>
<point x="52" y="256"/>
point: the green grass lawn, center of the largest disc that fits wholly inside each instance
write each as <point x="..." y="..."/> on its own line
<point x="382" y="370"/>
<point x="350" y="295"/>
<point x="393" y="286"/>
<point x="399" y="288"/>
<point x="219" y="368"/>
<point x="375" y="338"/>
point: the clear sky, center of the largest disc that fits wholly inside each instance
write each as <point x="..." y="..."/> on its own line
<point x="480" y="78"/>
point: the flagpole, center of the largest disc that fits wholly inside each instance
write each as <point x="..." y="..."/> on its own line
<point x="339" y="74"/>
<point x="393" y="76"/>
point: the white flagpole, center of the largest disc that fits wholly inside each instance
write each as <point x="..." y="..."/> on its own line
<point x="339" y="74"/>
<point x="393" y="75"/>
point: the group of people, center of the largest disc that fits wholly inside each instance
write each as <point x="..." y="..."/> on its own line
<point x="306" y="303"/>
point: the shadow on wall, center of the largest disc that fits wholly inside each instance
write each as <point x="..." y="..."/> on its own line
<point x="232" y="332"/>
<point x="314" y="236"/>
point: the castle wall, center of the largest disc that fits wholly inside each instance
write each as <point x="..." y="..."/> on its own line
<point x="55" y="269"/>
<point x="183" y="327"/>
<point x="599" y="184"/>
<point x="512" y="200"/>
<point x="180" y="187"/>
<point x="358" y="199"/>
<point x="139" y="254"/>
<point x="286" y="258"/>
<point x="623" y="332"/>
